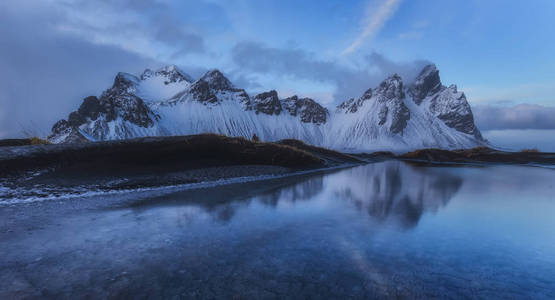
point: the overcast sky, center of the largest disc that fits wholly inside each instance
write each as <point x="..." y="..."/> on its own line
<point x="500" y="53"/>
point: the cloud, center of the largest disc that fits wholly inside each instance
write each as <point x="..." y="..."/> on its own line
<point x="521" y="116"/>
<point x="302" y="65"/>
<point x="374" y="21"/>
<point x="517" y="139"/>
<point x="538" y="92"/>
<point x="45" y="73"/>
<point x="148" y="27"/>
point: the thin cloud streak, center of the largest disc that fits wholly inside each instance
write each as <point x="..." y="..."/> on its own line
<point x="374" y="22"/>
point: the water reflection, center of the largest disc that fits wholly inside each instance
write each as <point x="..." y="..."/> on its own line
<point x="388" y="191"/>
<point x="302" y="237"/>
<point x="395" y="190"/>
<point x="304" y="190"/>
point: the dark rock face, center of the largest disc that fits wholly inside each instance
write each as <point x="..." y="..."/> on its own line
<point x="90" y="107"/>
<point x="311" y="111"/>
<point x="170" y="73"/>
<point x="389" y="89"/>
<point x="308" y="110"/>
<point x="367" y="95"/>
<point x="446" y="103"/>
<point x="352" y="105"/>
<point x="426" y="84"/>
<point x="453" y="109"/>
<point x="75" y="119"/>
<point x="391" y="93"/>
<point x="212" y="87"/>
<point x="120" y="101"/>
<point x="71" y="133"/>
<point x="200" y="90"/>
<point x="75" y="137"/>
<point x="243" y="98"/>
<point x="267" y="103"/>
<point x="290" y="105"/>
<point x="117" y="101"/>
<point x="345" y="105"/>
<point x="217" y="81"/>
<point x="131" y="109"/>
<point x="60" y="127"/>
<point x="382" y="115"/>
<point x="148" y="73"/>
<point x="400" y="116"/>
<point x="124" y="81"/>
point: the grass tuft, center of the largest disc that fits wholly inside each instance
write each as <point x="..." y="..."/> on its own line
<point x="531" y="150"/>
<point x="37" y="141"/>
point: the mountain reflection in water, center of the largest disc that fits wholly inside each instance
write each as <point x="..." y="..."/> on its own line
<point x="394" y="190"/>
<point x="390" y="191"/>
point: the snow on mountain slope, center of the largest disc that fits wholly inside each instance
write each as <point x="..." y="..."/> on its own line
<point x="213" y="104"/>
<point x="168" y="102"/>
<point x="389" y="118"/>
<point x="162" y="84"/>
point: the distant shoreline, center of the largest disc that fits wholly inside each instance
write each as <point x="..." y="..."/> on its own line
<point x="184" y="153"/>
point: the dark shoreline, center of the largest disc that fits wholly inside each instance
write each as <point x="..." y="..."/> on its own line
<point x="45" y="170"/>
<point x="159" y="161"/>
<point x="479" y="155"/>
<point x="166" y="155"/>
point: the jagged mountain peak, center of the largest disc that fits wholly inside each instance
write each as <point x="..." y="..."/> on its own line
<point x="125" y="80"/>
<point x="451" y="106"/>
<point x="213" y="88"/>
<point x="390" y="88"/>
<point x="171" y="73"/>
<point x="368" y="94"/>
<point x="428" y="70"/>
<point x="271" y="93"/>
<point x="267" y="103"/>
<point x="294" y="97"/>
<point x="216" y="80"/>
<point x="426" y="83"/>
<point x="389" y="116"/>
<point x="309" y="110"/>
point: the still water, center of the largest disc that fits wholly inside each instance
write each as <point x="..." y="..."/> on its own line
<point x="383" y="230"/>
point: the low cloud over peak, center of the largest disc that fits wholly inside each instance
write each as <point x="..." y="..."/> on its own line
<point x="521" y="116"/>
<point x="252" y="57"/>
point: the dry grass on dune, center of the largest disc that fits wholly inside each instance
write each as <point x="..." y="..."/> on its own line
<point x="23" y="142"/>
<point x="165" y="153"/>
<point x="532" y="150"/>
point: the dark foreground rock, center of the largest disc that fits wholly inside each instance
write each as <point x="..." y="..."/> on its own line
<point x="154" y="154"/>
<point x="155" y="161"/>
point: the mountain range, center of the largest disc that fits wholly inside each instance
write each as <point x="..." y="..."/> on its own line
<point x="392" y="116"/>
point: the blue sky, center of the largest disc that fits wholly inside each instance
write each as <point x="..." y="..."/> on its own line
<point x="500" y="53"/>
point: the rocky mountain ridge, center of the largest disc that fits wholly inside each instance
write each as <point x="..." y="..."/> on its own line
<point x="167" y="101"/>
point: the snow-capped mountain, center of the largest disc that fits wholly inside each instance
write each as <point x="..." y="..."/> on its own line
<point x="169" y="102"/>
<point x="425" y="114"/>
